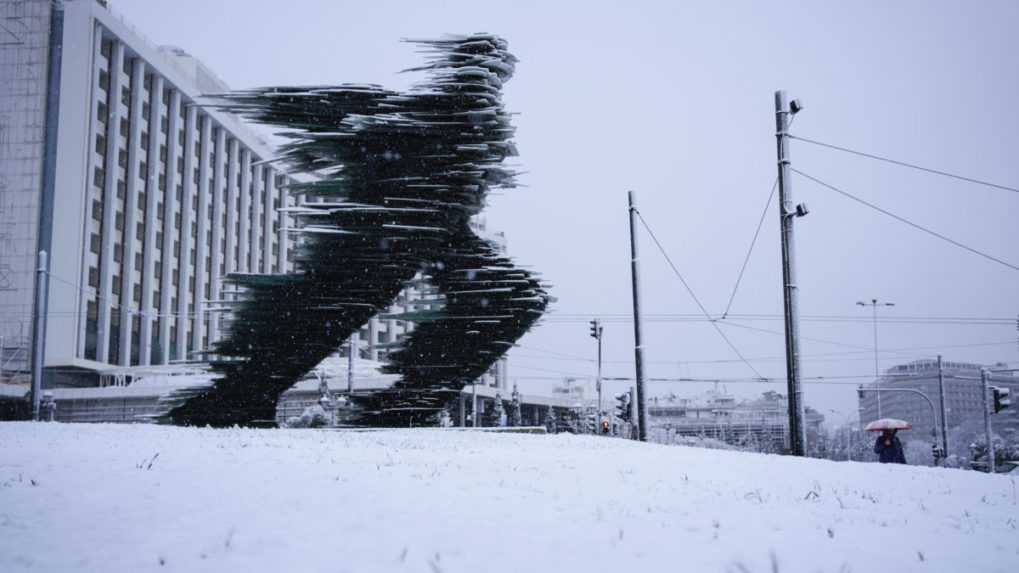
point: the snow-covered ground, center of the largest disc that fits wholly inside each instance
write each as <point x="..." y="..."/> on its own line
<point x="152" y="498"/>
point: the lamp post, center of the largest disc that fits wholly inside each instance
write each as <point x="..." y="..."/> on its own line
<point x="873" y="304"/>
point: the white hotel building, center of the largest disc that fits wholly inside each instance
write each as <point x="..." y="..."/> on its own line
<point x="143" y="200"/>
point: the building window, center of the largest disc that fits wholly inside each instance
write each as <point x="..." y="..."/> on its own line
<point x="99" y="178"/>
<point x="94" y="244"/>
<point x="101" y="144"/>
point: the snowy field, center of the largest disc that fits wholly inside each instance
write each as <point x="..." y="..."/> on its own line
<point x="149" y="498"/>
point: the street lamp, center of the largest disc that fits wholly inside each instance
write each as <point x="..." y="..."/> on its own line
<point x="873" y="304"/>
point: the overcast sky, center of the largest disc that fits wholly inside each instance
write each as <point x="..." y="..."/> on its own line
<point x="675" y="101"/>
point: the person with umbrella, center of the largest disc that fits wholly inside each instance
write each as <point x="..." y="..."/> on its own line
<point x="888" y="447"/>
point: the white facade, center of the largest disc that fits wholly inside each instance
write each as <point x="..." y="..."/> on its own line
<point x="154" y="200"/>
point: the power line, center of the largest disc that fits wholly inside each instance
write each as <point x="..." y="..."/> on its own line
<point x="750" y="251"/>
<point x="906" y="221"/>
<point x="681" y="317"/>
<point x="904" y="164"/>
<point x="694" y="296"/>
<point x="814" y="357"/>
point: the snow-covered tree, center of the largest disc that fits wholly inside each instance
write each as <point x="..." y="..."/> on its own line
<point x="550" y="420"/>
<point x="516" y="416"/>
<point x="497" y="415"/>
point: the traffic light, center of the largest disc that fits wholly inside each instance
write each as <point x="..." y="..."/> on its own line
<point x="604" y="426"/>
<point x="859" y="392"/>
<point x="1002" y="398"/>
<point x="623" y="406"/>
<point x="595" y="328"/>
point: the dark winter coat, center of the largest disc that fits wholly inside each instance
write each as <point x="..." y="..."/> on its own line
<point x="889" y="454"/>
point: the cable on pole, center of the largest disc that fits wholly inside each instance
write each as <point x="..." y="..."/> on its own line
<point x="746" y="260"/>
<point x="689" y="290"/>
<point x="904" y="164"/>
<point x="906" y="221"/>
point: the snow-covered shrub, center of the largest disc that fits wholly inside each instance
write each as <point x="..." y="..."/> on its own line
<point x="443" y="419"/>
<point x="918" y="453"/>
<point x="312" y="417"/>
<point x="497" y="415"/>
<point x="702" y="442"/>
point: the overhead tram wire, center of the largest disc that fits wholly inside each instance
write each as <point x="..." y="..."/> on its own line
<point x="689" y="290"/>
<point x="904" y="164"/>
<point x="746" y="260"/>
<point x="906" y="221"/>
<point x="665" y="317"/>
<point x="814" y="357"/>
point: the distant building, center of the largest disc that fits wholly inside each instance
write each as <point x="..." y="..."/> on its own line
<point x="760" y="424"/>
<point x="963" y="399"/>
<point x="143" y="199"/>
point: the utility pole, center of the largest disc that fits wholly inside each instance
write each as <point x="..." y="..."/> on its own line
<point x="596" y="333"/>
<point x="39" y="332"/>
<point x="944" y="410"/>
<point x="787" y="212"/>
<point x="638" y="350"/>
<point x="985" y="389"/>
<point x="873" y="304"/>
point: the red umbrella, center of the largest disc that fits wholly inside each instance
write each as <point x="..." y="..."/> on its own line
<point x="887" y="424"/>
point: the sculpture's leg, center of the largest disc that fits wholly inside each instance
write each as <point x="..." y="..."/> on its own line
<point x="489" y="304"/>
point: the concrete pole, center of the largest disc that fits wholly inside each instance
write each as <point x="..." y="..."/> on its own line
<point x="39" y="332"/>
<point x="877" y="368"/>
<point x="600" y="408"/>
<point x="638" y="349"/>
<point x="474" y="406"/>
<point x="462" y="406"/>
<point x="944" y="410"/>
<point x="351" y="359"/>
<point x="987" y="420"/>
<point x="633" y="408"/>
<point x="787" y="212"/>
